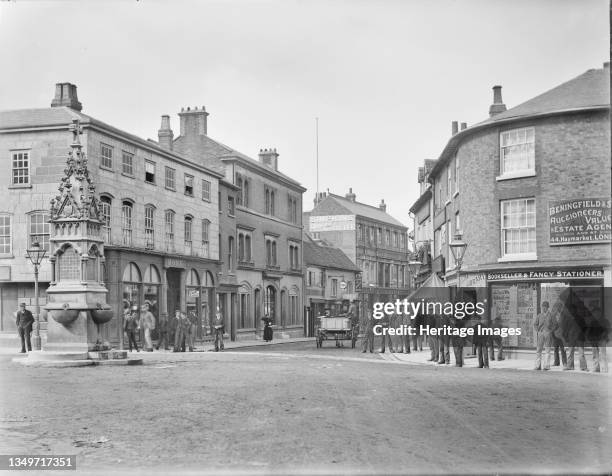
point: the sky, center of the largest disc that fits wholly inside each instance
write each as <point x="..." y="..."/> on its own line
<point x="385" y="78"/>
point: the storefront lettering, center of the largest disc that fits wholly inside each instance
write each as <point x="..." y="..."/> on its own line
<point x="534" y="275"/>
<point x="580" y="221"/>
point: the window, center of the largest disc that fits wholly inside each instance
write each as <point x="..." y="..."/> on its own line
<point x="5" y="235"/>
<point x="106" y="156"/>
<point x="245" y="193"/>
<point x="457" y="223"/>
<point x="39" y="229"/>
<point x="149" y="227"/>
<point x="127" y="163"/>
<point x="449" y="183"/>
<point x="240" y="247"/>
<point x="206" y="190"/>
<point x="293" y="308"/>
<point x="517" y="152"/>
<point x="518" y="228"/>
<point x="105" y="215"/>
<point x="205" y="243"/>
<point x="294" y="257"/>
<point x="334" y="287"/>
<point x="239" y="185"/>
<point x="395" y="239"/>
<point x="149" y="171"/>
<point x="188" y="242"/>
<point x="269" y="201"/>
<point x="230" y="206"/>
<point x="169" y="230"/>
<point x="126" y="223"/>
<point x="247" y="248"/>
<point x="270" y="252"/>
<point x="292" y="204"/>
<point x="189" y="185"/>
<point x="230" y="253"/>
<point x="170" y="178"/>
<point x="387" y="237"/>
<point x="270" y="302"/>
<point x="361" y="234"/>
<point x="21" y="168"/>
<point x="456" y="175"/>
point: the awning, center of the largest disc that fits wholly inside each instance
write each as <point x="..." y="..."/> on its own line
<point x="433" y="289"/>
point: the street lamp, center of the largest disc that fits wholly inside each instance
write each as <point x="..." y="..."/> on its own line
<point x="414" y="267"/>
<point x="36" y="255"/>
<point x="458" y="247"/>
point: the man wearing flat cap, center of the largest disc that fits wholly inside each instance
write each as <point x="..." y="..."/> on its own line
<point x="24" y="323"/>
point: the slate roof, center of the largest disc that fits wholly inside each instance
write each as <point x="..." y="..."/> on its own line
<point x="326" y="256"/>
<point x="361" y="209"/>
<point x="589" y="91"/>
<point x="62" y="116"/>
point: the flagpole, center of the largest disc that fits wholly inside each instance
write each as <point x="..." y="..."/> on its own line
<point x="317" y="139"/>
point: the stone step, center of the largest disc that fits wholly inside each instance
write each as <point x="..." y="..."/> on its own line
<point x="48" y="355"/>
<point x="52" y="363"/>
<point x="125" y="361"/>
<point x="108" y="355"/>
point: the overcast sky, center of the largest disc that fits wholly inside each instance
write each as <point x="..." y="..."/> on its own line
<point x="385" y="78"/>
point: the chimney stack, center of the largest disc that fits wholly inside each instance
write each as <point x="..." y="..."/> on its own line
<point x="193" y="122"/>
<point x="454" y="127"/>
<point x="165" y="135"/>
<point x="66" y="95"/>
<point x="350" y="195"/>
<point x="269" y="157"/>
<point x="498" y="105"/>
<point x="383" y="205"/>
<point x="463" y="126"/>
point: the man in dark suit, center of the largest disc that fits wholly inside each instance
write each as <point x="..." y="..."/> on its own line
<point x="24" y="327"/>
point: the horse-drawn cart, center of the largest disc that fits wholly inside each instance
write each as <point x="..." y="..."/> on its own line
<point x="336" y="328"/>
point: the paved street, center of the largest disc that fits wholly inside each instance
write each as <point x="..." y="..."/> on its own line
<point x="292" y="407"/>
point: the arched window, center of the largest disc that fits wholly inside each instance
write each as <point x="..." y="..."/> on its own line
<point x="270" y="302"/>
<point x="169" y="230"/>
<point x="152" y="285"/>
<point x="239" y="185"/>
<point x="69" y="265"/>
<point x="188" y="228"/>
<point x="245" y="193"/>
<point x="126" y="222"/>
<point x="151" y="275"/>
<point x="192" y="278"/>
<point x="149" y="227"/>
<point x="271" y="203"/>
<point x="105" y="216"/>
<point x="267" y="201"/>
<point x="131" y="283"/>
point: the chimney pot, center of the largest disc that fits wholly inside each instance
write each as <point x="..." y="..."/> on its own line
<point x="383" y="205"/>
<point x="193" y="122"/>
<point x="463" y="126"/>
<point x="454" y="127"/>
<point x="269" y="157"/>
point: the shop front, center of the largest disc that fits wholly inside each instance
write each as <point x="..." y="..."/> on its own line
<point x="515" y="297"/>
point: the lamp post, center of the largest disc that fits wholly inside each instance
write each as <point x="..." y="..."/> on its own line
<point x="413" y="267"/>
<point x="36" y="254"/>
<point x="458" y="247"/>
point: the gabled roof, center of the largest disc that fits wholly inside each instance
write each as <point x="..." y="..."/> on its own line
<point x="588" y="92"/>
<point x="348" y="207"/>
<point x="326" y="256"/>
<point x="62" y="116"/>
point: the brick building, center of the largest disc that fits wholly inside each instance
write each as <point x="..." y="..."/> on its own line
<point x="422" y="234"/>
<point x="372" y="239"/>
<point x="529" y="191"/>
<point x="265" y="249"/>
<point x="329" y="280"/>
<point x="160" y="210"/>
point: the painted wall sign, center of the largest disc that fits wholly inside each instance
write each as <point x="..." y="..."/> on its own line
<point x="538" y="275"/>
<point x="332" y="223"/>
<point x="581" y="221"/>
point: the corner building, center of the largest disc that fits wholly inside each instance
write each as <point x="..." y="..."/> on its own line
<point x="160" y="213"/>
<point x="529" y="191"/>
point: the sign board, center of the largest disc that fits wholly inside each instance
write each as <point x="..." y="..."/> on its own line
<point x="332" y="223"/>
<point x="357" y="282"/>
<point x="538" y="275"/>
<point x="194" y="293"/>
<point x="342" y="284"/>
<point x="580" y="221"/>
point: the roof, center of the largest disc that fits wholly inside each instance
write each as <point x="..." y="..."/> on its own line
<point x="589" y="91"/>
<point x="326" y="256"/>
<point x="62" y="116"/>
<point x="360" y="209"/>
<point x="423" y="199"/>
<point x="213" y="153"/>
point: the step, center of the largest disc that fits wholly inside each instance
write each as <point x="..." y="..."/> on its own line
<point x="53" y="363"/>
<point x="125" y="361"/>
<point x="108" y="355"/>
<point x="50" y="355"/>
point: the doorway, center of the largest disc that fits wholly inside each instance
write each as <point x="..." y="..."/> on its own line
<point x="173" y="276"/>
